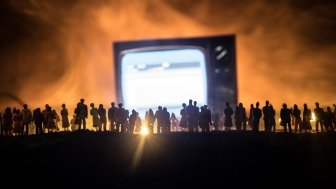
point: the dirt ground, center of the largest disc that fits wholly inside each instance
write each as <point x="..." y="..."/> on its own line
<point x="215" y="160"/>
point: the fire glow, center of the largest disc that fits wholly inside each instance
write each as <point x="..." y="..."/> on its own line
<point x="65" y="52"/>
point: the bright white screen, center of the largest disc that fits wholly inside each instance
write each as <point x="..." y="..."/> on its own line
<point x="166" y="78"/>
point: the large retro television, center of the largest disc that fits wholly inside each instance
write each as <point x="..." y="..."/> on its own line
<point x="168" y="72"/>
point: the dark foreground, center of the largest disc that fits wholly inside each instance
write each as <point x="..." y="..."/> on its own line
<point x="218" y="160"/>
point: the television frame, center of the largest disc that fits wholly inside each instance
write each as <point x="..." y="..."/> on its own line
<point x="220" y="60"/>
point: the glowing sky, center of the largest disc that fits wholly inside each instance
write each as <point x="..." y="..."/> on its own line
<point x="58" y="51"/>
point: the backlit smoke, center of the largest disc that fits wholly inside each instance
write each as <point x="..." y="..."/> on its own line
<point x="56" y="51"/>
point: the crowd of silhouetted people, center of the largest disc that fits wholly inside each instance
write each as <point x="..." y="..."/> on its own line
<point x="192" y="118"/>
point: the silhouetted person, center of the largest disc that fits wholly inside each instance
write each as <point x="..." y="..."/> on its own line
<point x="272" y="119"/>
<point x="184" y="117"/>
<point x="44" y="113"/>
<point x="266" y="110"/>
<point x="165" y="120"/>
<point x="121" y="118"/>
<point x="328" y="119"/>
<point x="208" y="114"/>
<point x="228" y="111"/>
<point x="7" y="121"/>
<point x="256" y="117"/>
<point x="195" y="113"/>
<point x="126" y="121"/>
<point x="319" y="113"/>
<point x="251" y="118"/>
<point x="1" y="127"/>
<point x="334" y="119"/>
<point x="17" y="118"/>
<point x="190" y="114"/>
<point x="82" y="114"/>
<point x="38" y="119"/>
<point x="237" y="119"/>
<point x="215" y="120"/>
<point x="174" y="122"/>
<point x="204" y="120"/>
<point x="102" y="117"/>
<point x="112" y="116"/>
<point x="150" y="120"/>
<point x="65" y="118"/>
<point x="74" y="125"/>
<point x="159" y="121"/>
<point x="51" y="117"/>
<point x="285" y="116"/>
<point x="307" y="116"/>
<point x="297" y="119"/>
<point x="26" y="117"/>
<point x="243" y="115"/>
<point x="57" y="119"/>
<point x="95" y="117"/>
<point x="132" y="120"/>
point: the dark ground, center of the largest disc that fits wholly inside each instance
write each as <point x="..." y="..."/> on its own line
<point x="218" y="160"/>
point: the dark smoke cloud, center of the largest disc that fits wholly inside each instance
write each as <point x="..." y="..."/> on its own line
<point x="57" y="51"/>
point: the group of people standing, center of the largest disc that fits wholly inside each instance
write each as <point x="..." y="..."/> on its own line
<point x="192" y="119"/>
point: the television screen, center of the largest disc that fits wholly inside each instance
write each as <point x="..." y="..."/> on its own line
<point x="169" y="72"/>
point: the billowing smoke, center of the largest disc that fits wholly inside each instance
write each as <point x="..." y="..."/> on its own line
<point x="57" y="51"/>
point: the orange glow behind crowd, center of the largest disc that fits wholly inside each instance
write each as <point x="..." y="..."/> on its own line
<point x="75" y="59"/>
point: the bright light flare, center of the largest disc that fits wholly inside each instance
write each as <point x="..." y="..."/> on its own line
<point x="313" y="117"/>
<point x="144" y="131"/>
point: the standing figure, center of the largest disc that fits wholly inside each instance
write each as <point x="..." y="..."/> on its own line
<point x="237" y="119"/>
<point x="7" y="121"/>
<point x="1" y="127"/>
<point x="159" y="121"/>
<point x="44" y="113"/>
<point x="132" y="120"/>
<point x="195" y="115"/>
<point x="208" y="115"/>
<point x="328" y="119"/>
<point x="256" y="117"/>
<point x="251" y="118"/>
<point x="38" y="119"/>
<point x="121" y="118"/>
<point x="272" y="119"/>
<point x="204" y="120"/>
<point x="57" y="120"/>
<point x="165" y="120"/>
<point x="95" y="117"/>
<point x="307" y="116"/>
<point x="242" y="113"/>
<point x="51" y="117"/>
<point x="297" y="119"/>
<point x="102" y="117"/>
<point x="174" y="122"/>
<point x="27" y="117"/>
<point x="266" y="110"/>
<point x="18" y="128"/>
<point x="190" y="112"/>
<point x="82" y="113"/>
<point x="319" y="113"/>
<point x="184" y="117"/>
<point x="74" y="125"/>
<point x="111" y="114"/>
<point x="65" y="118"/>
<point x="334" y="119"/>
<point x="285" y="115"/>
<point x="150" y="118"/>
<point x="228" y="119"/>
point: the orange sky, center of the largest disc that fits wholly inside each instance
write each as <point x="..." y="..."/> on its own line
<point x="63" y="51"/>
